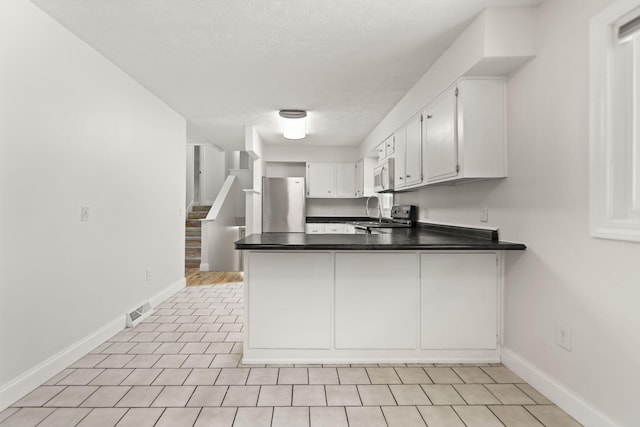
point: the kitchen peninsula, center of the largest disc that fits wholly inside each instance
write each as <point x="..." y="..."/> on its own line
<point x="426" y="294"/>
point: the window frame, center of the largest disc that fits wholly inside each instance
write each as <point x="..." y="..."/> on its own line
<point x="613" y="175"/>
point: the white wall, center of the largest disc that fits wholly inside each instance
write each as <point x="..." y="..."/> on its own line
<point x="190" y="190"/>
<point x="337" y="207"/>
<point x="565" y="277"/>
<point x="214" y="171"/>
<point x="306" y="153"/>
<point x="77" y="131"/>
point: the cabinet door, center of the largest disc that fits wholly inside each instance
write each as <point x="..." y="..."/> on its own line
<point x="289" y="300"/>
<point x="321" y="180"/>
<point x="399" y="158"/>
<point x="382" y="150"/>
<point x="377" y="310"/>
<point x="345" y="180"/>
<point x="390" y="145"/>
<point x="459" y="301"/>
<point x="360" y="178"/>
<point x="413" y="155"/>
<point x="441" y="138"/>
<point x="314" y="228"/>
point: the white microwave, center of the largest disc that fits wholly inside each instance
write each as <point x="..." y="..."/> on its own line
<point x="383" y="176"/>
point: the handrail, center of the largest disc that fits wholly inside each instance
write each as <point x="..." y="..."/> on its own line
<point x="220" y="199"/>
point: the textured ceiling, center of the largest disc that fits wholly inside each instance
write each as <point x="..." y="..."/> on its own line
<point x="224" y="64"/>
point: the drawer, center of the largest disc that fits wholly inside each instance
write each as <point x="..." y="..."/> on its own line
<point x="314" y="228"/>
<point x="334" y="228"/>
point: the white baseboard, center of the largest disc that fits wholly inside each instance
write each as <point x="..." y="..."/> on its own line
<point x="190" y="207"/>
<point x="28" y="381"/>
<point x="204" y="266"/>
<point x="566" y="399"/>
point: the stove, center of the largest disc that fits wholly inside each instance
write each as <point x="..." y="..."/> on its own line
<point x="403" y="216"/>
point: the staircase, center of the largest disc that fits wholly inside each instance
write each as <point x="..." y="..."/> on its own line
<point x="193" y="236"/>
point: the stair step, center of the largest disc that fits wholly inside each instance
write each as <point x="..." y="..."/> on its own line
<point x="192" y="253"/>
<point x="193" y="223"/>
<point x="197" y="215"/>
<point x="202" y="208"/>
<point x="193" y="232"/>
<point x="195" y="243"/>
<point x="192" y="263"/>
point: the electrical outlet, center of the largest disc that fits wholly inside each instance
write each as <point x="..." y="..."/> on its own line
<point x="563" y="337"/>
<point x="180" y="212"/>
<point x="484" y="214"/>
<point x="424" y="213"/>
<point x="148" y="274"/>
<point x="84" y="213"/>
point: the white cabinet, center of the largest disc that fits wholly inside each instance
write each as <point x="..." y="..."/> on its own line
<point x="441" y="149"/>
<point x="345" y="180"/>
<point x="408" y="154"/>
<point x="364" y="177"/>
<point x="459" y="301"/>
<point x="398" y="156"/>
<point x="329" y="228"/>
<point x="292" y="308"/>
<point x="331" y="180"/>
<point x="375" y="300"/>
<point x="464" y="132"/>
<point x="314" y="228"/>
<point x="321" y="179"/>
<point x="413" y="152"/>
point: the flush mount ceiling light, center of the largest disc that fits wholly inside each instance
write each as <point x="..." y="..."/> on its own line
<point x="294" y="123"/>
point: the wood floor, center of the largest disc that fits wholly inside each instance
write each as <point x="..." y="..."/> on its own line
<point x="195" y="277"/>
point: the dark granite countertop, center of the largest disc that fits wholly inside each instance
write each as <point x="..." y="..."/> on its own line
<point x="421" y="238"/>
<point x="337" y="219"/>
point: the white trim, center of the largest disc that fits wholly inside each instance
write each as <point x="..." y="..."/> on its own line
<point x="602" y="165"/>
<point x="204" y="266"/>
<point x="566" y="399"/>
<point x="190" y="207"/>
<point x="28" y="381"/>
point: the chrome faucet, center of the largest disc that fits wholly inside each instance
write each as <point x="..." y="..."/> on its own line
<point x="379" y="208"/>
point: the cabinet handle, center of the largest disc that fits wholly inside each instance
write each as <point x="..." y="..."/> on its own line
<point x="329" y="191"/>
<point x="408" y="176"/>
<point x="429" y="116"/>
<point x="399" y="177"/>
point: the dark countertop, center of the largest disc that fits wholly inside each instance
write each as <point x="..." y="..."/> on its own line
<point x="337" y="219"/>
<point x="420" y="238"/>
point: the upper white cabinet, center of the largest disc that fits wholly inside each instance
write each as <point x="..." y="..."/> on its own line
<point x="321" y="179"/>
<point x="364" y="177"/>
<point x="413" y="152"/>
<point x="398" y="139"/>
<point x="407" y="142"/>
<point x="464" y="132"/>
<point x="345" y="180"/>
<point x="331" y="180"/>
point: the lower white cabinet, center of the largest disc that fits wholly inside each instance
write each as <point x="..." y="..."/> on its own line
<point x="329" y="228"/>
<point x="372" y="307"/>
<point x="375" y="301"/>
<point x="459" y="301"/>
<point x="290" y="309"/>
<point x="314" y="228"/>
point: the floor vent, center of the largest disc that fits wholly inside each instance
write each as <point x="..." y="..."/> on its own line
<point x="137" y="315"/>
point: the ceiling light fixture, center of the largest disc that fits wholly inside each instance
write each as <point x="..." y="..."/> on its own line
<point x="294" y="123"/>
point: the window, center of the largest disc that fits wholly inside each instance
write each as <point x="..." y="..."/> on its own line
<point x="615" y="122"/>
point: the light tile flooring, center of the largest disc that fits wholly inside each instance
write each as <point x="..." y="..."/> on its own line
<point x="181" y="367"/>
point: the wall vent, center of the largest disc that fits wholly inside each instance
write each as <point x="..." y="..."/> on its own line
<point x="138" y="315"/>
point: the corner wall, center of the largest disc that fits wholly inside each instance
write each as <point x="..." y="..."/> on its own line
<point x="77" y="131"/>
<point x="565" y="277"/>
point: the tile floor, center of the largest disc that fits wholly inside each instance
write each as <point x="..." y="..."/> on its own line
<point x="181" y="367"/>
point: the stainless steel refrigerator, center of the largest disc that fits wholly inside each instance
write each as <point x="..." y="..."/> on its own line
<point x="283" y="205"/>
